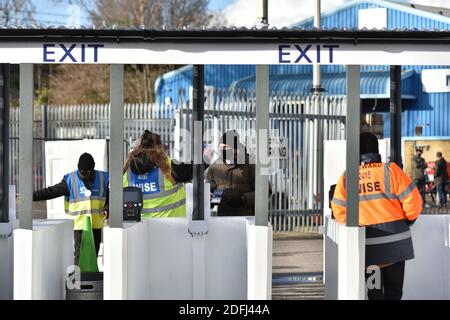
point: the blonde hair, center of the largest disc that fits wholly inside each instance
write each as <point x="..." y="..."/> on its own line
<point x="150" y="148"/>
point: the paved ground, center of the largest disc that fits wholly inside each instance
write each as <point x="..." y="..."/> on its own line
<point x="301" y="253"/>
<point x="297" y="267"/>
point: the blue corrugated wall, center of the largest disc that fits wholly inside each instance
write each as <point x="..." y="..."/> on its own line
<point x="176" y="84"/>
<point x="430" y="110"/>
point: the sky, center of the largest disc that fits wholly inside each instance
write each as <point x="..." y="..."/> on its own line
<point x="237" y="12"/>
<point x="50" y="12"/>
<point x="287" y="12"/>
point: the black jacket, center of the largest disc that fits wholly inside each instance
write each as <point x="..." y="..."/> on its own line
<point x="419" y="168"/>
<point x="181" y="172"/>
<point x="56" y="191"/>
<point x="440" y="173"/>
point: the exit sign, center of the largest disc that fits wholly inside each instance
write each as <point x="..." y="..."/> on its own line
<point x="436" y="80"/>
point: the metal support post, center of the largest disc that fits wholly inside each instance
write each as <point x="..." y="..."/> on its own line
<point x="4" y="124"/>
<point x="395" y="105"/>
<point x="26" y="147"/>
<point x="197" y="141"/>
<point x="262" y="139"/>
<point x="116" y="146"/>
<point x="352" y="132"/>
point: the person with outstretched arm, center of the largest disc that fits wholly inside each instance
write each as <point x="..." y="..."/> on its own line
<point x="85" y="193"/>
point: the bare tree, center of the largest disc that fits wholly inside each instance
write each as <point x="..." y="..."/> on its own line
<point x="148" y="13"/>
<point x="139" y="79"/>
<point x="73" y="84"/>
<point x="16" y="12"/>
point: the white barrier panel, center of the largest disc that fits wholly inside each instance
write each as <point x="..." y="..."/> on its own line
<point x="7" y="248"/>
<point x="428" y="275"/>
<point x="259" y="257"/>
<point x="160" y="259"/>
<point x="6" y="261"/>
<point x="154" y="259"/>
<point x="41" y="259"/>
<point x="344" y="257"/>
<point x="351" y="263"/>
<point x="114" y="254"/>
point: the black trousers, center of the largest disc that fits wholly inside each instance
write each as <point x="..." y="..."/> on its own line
<point x="391" y="283"/>
<point x="77" y="237"/>
<point x="420" y="184"/>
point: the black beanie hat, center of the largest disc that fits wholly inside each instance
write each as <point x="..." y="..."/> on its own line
<point x="86" y="162"/>
<point x="368" y="143"/>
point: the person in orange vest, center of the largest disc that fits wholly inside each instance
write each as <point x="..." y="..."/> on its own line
<point x="389" y="202"/>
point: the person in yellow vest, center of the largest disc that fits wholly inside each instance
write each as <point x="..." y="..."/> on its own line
<point x="85" y="193"/>
<point x="159" y="177"/>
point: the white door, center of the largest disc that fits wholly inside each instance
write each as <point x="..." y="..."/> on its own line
<point x="61" y="157"/>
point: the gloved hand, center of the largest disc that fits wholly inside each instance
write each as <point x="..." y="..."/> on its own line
<point x="232" y="197"/>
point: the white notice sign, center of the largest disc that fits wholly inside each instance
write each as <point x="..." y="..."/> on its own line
<point x="436" y="80"/>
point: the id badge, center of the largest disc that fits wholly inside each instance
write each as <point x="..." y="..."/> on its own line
<point x="217" y="196"/>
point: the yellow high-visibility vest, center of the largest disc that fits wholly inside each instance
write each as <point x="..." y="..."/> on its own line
<point x="161" y="198"/>
<point x="82" y="201"/>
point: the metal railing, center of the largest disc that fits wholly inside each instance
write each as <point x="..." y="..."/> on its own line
<point x="295" y="201"/>
<point x="75" y="122"/>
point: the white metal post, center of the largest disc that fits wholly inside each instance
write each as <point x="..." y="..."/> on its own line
<point x="116" y="146"/>
<point x="262" y="136"/>
<point x="26" y="147"/>
<point x="177" y="136"/>
<point x="316" y="66"/>
<point x="352" y="137"/>
<point x="351" y="283"/>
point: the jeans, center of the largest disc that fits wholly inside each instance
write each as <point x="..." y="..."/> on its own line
<point x="442" y="192"/>
<point x="391" y="281"/>
<point x="77" y="237"/>
<point x="420" y="184"/>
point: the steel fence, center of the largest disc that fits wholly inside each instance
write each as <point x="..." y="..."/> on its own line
<point x="73" y="122"/>
<point x="300" y="122"/>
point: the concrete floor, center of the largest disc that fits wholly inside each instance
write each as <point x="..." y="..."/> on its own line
<point x="298" y="253"/>
<point x="296" y="257"/>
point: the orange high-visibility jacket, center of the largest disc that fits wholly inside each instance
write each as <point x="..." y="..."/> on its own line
<point x="388" y="199"/>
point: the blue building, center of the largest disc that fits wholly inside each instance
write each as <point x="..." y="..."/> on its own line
<point x="425" y="89"/>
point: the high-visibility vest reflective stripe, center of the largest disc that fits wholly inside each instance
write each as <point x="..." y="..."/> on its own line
<point x="161" y="198"/>
<point x="388" y="242"/>
<point x="387" y="198"/>
<point x="79" y="203"/>
<point x="387" y="194"/>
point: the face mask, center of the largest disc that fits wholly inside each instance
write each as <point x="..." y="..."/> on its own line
<point x="87" y="175"/>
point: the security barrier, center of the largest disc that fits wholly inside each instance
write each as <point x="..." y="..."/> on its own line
<point x="295" y="201"/>
<point x="42" y="257"/>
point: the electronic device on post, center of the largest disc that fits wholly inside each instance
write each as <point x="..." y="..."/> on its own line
<point x="132" y="204"/>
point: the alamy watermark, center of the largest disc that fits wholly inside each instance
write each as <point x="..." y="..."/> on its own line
<point x="250" y="146"/>
<point x="73" y="280"/>
<point x="373" y="277"/>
